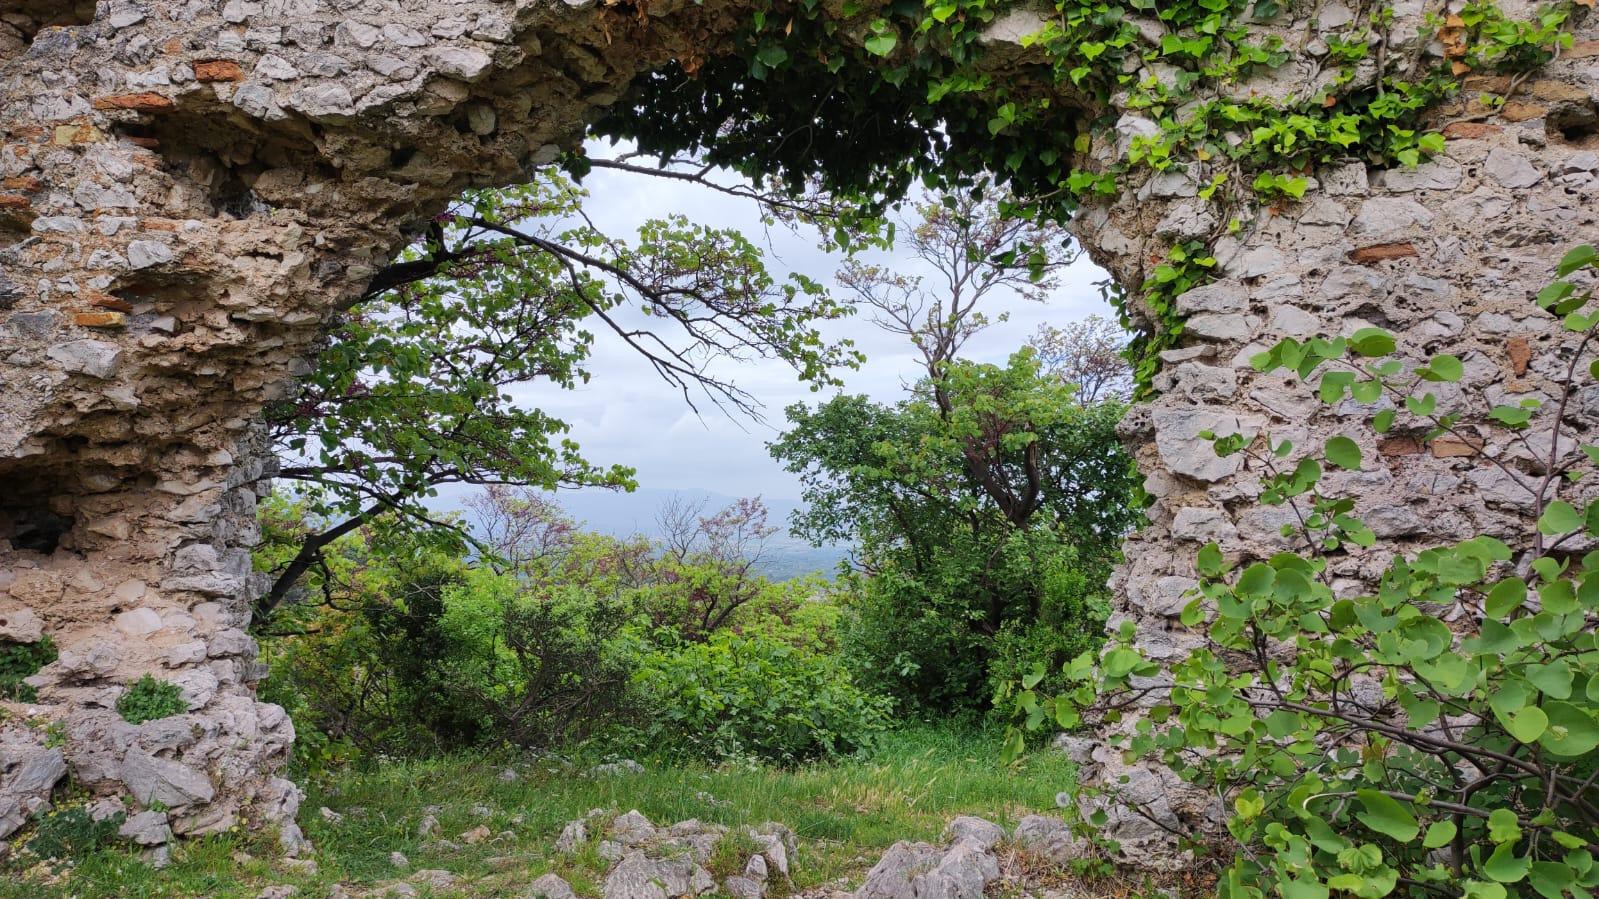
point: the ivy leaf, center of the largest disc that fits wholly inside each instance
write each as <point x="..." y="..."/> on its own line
<point x="1382" y="421"/>
<point x="882" y="43"/>
<point x="1386" y="816"/>
<point x="772" y="55"/>
<point x="1344" y="453"/>
<point x="1559" y="517"/>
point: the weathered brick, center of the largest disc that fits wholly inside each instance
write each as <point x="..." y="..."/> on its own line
<point x="107" y="301"/>
<point x="1470" y="130"/>
<point x="145" y="101"/>
<point x="1522" y="111"/>
<point x="1520" y="353"/>
<point x="1381" y="251"/>
<point x="108" y="319"/>
<point x="210" y="70"/>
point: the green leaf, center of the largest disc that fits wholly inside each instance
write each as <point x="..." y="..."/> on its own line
<point x="1578" y="257"/>
<point x="1559" y="517"/>
<point x="1506" y="596"/>
<point x="1553" y="679"/>
<point x="1344" y="453"/>
<point x="1447" y="368"/>
<point x="1382" y="421"/>
<point x="1504" y="866"/>
<point x="1572" y="733"/>
<point x="1210" y="562"/>
<point x="772" y="55"/>
<point x="1526" y="724"/>
<point x="882" y="44"/>
<point x="1439" y="833"/>
<point x="1372" y="342"/>
<point x="1386" y="816"/>
<point x="1503" y="826"/>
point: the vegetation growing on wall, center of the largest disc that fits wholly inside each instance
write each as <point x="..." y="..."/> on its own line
<point x="1438" y="733"/>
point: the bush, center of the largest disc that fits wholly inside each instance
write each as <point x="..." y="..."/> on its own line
<point x="19" y="661"/>
<point x="149" y="699"/>
<point x="1435" y="736"/>
<point x="537" y="665"/>
<point x="742" y="697"/>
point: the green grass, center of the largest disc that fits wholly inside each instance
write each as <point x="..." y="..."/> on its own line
<point x="845" y="813"/>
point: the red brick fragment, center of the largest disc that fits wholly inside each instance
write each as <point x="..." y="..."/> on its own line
<point x="210" y="70"/>
<point x="1381" y="251"/>
<point x="145" y="101"/>
<point x="1470" y="130"/>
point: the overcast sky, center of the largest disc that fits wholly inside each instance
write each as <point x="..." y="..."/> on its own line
<point x="627" y="415"/>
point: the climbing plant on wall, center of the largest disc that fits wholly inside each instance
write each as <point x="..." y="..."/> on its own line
<point x="1232" y="94"/>
<point x="1437" y="734"/>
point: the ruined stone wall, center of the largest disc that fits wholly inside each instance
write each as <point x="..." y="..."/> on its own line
<point x="1447" y="256"/>
<point x="189" y="188"/>
<point x="187" y="191"/>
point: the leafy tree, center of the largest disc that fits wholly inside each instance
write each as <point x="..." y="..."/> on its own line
<point x="412" y="390"/>
<point x="947" y="567"/>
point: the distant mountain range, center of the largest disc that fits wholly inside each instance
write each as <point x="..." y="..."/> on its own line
<point x="625" y="514"/>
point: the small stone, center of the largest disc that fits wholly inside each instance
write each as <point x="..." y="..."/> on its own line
<point x="20" y="626"/>
<point x="148" y="253"/>
<point x="1511" y="169"/>
<point x="572" y="837"/>
<point x="435" y="879"/>
<point x="89" y="357"/>
<point x="476" y="835"/>
<point x="147" y="828"/>
<point x="398" y="860"/>
<point x="984" y="833"/>
<point x="329" y="815"/>
<point x="300" y="867"/>
<point x="741" y="887"/>
<point x="550" y="886"/>
<point x="1382" y="251"/>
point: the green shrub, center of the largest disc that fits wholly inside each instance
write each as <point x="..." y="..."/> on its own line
<point x="741" y="697"/>
<point x="1435" y="736"/>
<point x="22" y="660"/>
<point x="149" y="699"/>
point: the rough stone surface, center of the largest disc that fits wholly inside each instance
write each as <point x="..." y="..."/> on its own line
<point x="922" y="871"/>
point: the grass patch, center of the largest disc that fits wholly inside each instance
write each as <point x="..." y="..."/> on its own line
<point x="844" y="812"/>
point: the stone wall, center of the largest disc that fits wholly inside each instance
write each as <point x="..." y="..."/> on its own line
<point x="188" y="189"/>
<point x="1447" y="256"/>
